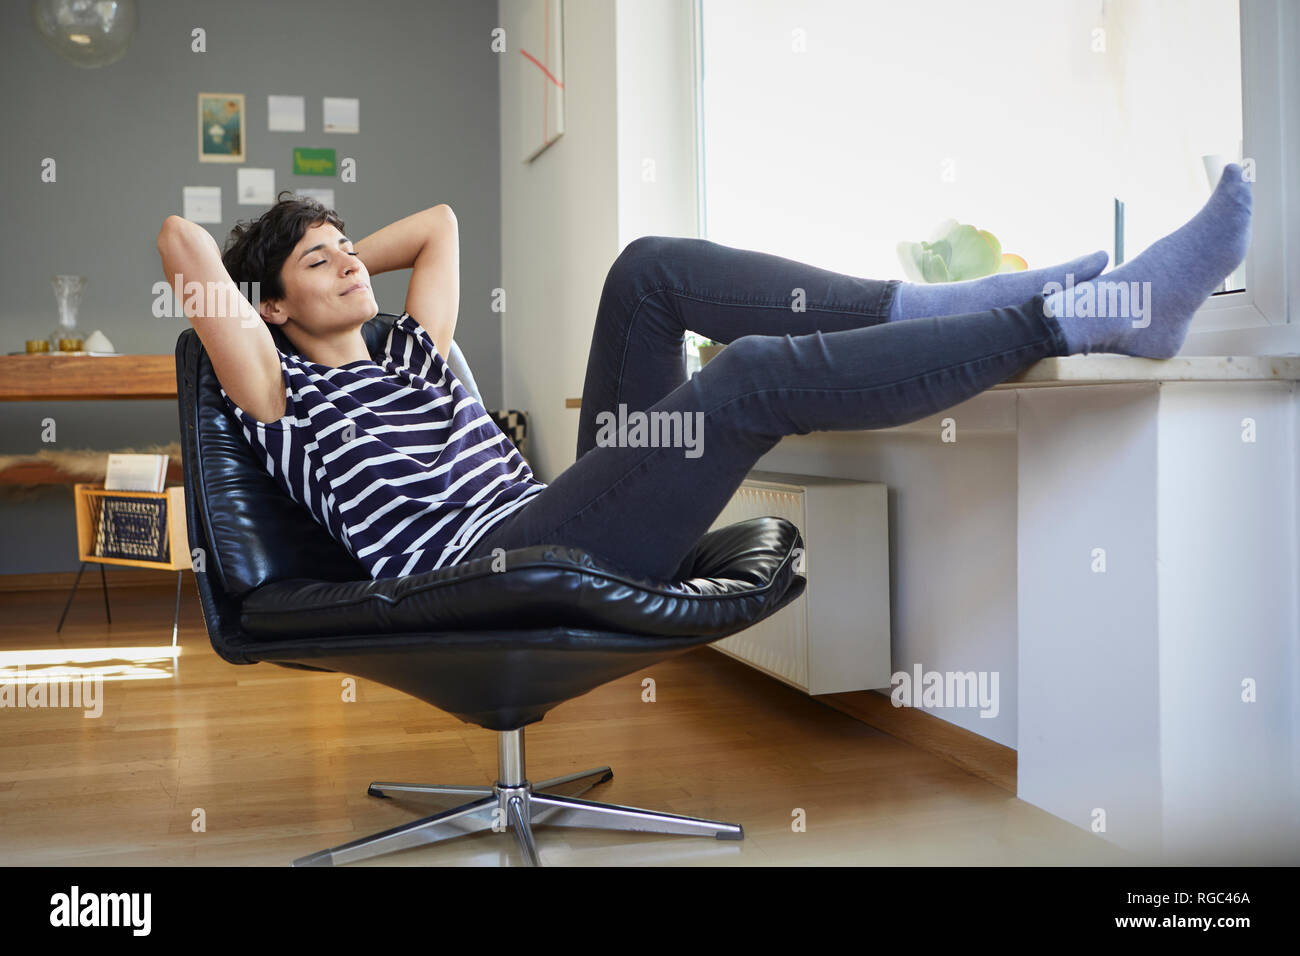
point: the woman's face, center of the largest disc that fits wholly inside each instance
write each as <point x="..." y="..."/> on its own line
<point x="320" y="279"/>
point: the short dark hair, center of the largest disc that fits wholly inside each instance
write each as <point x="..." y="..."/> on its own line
<point x="256" y="250"/>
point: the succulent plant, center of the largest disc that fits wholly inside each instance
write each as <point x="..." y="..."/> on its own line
<point x="698" y="340"/>
<point x="956" y="253"/>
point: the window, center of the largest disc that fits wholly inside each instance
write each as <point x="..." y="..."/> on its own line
<point x="833" y="131"/>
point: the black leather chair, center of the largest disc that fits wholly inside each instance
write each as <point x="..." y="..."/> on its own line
<point x="497" y="648"/>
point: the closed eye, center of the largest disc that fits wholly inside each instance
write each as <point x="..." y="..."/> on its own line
<point x="322" y="262"/>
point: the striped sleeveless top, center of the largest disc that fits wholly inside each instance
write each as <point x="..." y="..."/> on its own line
<point x="399" y="462"/>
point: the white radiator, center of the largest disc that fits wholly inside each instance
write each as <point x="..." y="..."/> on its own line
<point x="835" y="636"/>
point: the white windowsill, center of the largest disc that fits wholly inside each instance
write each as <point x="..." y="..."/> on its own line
<point x="1102" y="368"/>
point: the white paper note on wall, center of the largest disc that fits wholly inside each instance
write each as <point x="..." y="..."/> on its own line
<point x="341" y="114"/>
<point x="323" y="196"/>
<point x="256" y="187"/>
<point x="286" y="113"/>
<point x="202" y="203"/>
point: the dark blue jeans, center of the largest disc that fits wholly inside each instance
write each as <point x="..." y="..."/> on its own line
<point x="808" y="350"/>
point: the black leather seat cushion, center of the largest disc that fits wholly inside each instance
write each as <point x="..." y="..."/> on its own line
<point x="735" y="575"/>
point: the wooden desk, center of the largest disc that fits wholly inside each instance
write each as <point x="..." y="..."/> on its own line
<point x="34" y="378"/>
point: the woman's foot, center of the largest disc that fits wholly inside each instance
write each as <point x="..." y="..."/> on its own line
<point x="915" y="300"/>
<point x="1145" y="306"/>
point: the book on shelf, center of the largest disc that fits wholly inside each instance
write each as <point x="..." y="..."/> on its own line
<point x="136" y="473"/>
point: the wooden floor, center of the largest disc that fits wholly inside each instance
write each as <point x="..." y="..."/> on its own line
<point x="278" y="764"/>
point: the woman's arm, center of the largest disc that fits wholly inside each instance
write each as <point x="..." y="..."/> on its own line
<point x="237" y="341"/>
<point x="433" y="295"/>
<point x="397" y="244"/>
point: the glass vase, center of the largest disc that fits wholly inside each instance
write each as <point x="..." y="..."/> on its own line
<point x="66" y="336"/>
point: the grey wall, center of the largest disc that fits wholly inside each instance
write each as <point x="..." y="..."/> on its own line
<point x="125" y="141"/>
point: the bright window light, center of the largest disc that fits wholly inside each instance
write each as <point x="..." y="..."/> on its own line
<point x="833" y="131"/>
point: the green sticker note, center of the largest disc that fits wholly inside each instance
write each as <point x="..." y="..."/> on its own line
<point x="313" y="162"/>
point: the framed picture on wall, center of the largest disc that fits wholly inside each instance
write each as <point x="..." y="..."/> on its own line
<point x="541" y="75"/>
<point x="221" y="127"/>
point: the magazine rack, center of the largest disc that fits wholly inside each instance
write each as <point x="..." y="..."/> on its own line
<point x="139" y="529"/>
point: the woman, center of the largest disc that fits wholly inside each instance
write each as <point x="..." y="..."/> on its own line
<point x="405" y="468"/>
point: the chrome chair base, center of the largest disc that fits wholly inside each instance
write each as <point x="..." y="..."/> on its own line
<point x="517" y="805"/>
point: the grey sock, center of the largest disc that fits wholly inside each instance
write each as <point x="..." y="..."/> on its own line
<point x="1144" y="307"/>
<point x="916" y="300"/>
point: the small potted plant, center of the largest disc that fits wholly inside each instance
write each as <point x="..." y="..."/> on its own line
<point x="706" y="347"/>
<point x="956" y="253"/>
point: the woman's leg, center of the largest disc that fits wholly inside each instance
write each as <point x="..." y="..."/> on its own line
<point x="831" y="362"/>
<point x="642" y="508"/>
<point x="660" y="286"/>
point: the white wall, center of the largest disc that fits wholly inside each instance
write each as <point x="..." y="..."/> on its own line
<point x="559" y="230"/>
<point x="657" y="185"/>
<point x="624" y="167"/>
<point x="566" y="216"/>
<point x="952" y="545"/>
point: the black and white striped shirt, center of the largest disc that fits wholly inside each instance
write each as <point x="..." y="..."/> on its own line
<point x="399" y="462"/>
